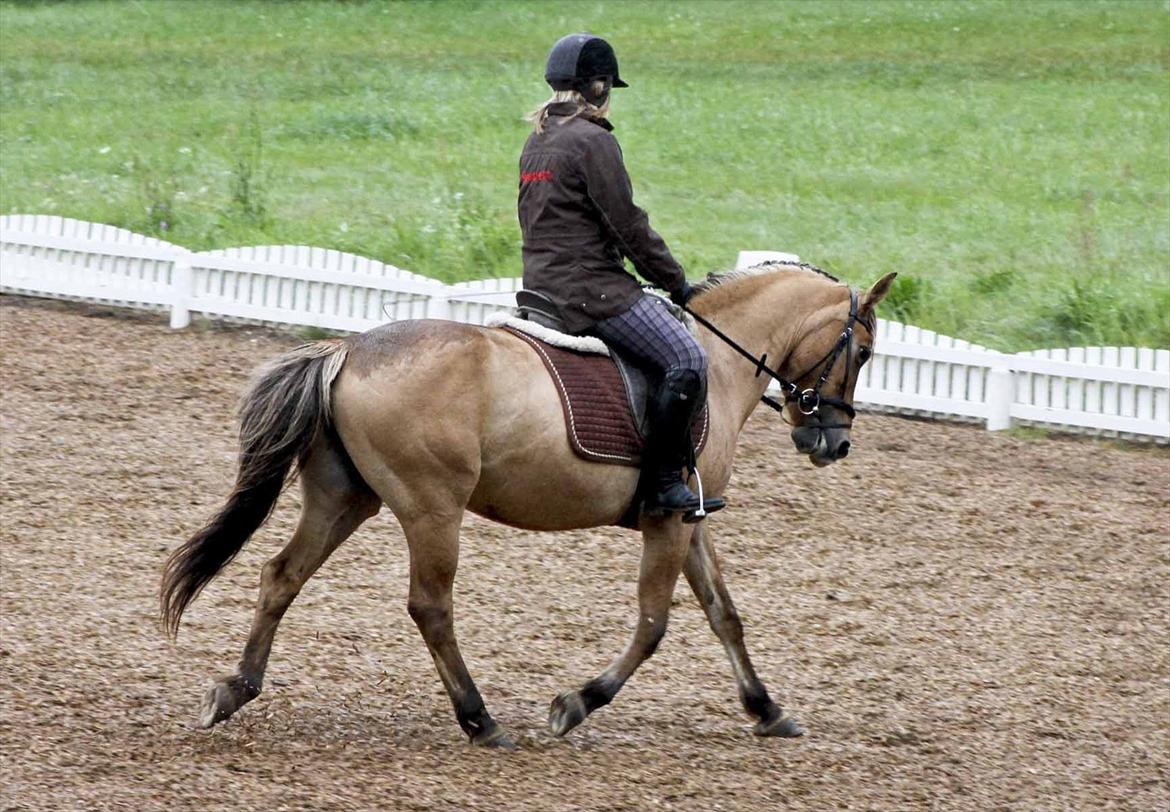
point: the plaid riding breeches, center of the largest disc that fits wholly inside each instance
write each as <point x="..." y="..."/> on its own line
<point x="653" y="336"/>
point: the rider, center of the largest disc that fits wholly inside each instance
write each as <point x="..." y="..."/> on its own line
<point x="579" y="223"/>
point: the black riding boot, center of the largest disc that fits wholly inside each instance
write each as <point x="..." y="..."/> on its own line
<point x="668" y="449"/>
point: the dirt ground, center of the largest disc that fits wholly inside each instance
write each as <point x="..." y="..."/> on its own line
<point x="961" y="620"/>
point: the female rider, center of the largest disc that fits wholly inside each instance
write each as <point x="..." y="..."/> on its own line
<point x="579" y="223"/>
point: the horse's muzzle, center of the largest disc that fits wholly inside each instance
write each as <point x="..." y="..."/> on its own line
<point x="823" y="445"/>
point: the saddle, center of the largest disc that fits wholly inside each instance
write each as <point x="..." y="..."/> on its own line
<point x="603" y="394"/>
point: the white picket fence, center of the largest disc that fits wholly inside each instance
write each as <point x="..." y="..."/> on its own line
<point x="279" y="284"/>
<point x="1102" y="390"/>
<point x="1113" y="391"/>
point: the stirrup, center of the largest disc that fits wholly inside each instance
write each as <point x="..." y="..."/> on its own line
<point x="694" y="508"/>
<point x="705" y="505"/>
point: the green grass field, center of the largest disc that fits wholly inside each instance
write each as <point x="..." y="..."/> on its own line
<point x="1010" y="159"/>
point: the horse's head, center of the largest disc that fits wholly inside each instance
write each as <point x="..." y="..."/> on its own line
<point x="825" y="365"/>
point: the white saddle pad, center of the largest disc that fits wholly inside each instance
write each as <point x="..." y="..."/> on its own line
<point x="578" y="343"/>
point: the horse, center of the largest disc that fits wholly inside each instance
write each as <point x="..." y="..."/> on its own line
<point x="435" y="418"/>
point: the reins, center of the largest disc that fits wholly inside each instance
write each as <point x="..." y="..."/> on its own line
<point x="808" y="401"/>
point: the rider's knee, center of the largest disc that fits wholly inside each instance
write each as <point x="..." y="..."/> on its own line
<point x="693" y="360"/>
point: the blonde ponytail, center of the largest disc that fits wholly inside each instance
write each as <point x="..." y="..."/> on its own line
<point x="539" y="116"/>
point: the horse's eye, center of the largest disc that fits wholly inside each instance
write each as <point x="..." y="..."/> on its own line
<point x="863" y="356"/>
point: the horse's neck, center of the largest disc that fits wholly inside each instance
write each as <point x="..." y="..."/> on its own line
<point x="764" y="315"/>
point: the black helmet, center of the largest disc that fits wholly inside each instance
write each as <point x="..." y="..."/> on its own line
<point x="578" y="59"/>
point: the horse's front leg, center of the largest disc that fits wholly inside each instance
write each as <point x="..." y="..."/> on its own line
<point x="702" y="571"/>
<point x="664" y="548"/>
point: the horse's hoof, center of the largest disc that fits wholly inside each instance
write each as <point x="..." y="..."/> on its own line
<point x="224" y="698"/>
<point x="496" y="737"/>
<point x="782" y="727"/>
<point x="566" y="712"/>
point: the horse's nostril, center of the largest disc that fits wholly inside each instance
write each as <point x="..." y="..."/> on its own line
<point x="843" y="450"/>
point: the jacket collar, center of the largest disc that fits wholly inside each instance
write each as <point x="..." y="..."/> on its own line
<point x="568" y="108"/>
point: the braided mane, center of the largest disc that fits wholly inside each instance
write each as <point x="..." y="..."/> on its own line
<point x="714" y="280"/>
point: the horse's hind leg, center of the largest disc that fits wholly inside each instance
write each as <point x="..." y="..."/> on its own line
<point x="335" y="502"/>
<point x="664" y="548"/>
<point x="433" y="538"/>
<point x="702" y="571"/>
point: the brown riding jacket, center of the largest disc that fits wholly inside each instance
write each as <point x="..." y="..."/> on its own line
<point x="578" y="218"/>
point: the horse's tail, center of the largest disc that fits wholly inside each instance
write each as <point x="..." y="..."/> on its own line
<point x="281" y="413"/>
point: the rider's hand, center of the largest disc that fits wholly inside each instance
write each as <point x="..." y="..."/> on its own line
<point x="683" y="295"/>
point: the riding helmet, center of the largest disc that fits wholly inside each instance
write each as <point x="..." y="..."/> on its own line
<point x="578" y="59"/>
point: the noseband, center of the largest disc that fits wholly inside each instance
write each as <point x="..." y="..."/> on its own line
<point x="808" y="401"/>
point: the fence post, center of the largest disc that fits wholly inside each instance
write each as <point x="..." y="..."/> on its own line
<point x="183" y="288"/>
<point x="999" y="396"/>
<point x="439" y="304"/>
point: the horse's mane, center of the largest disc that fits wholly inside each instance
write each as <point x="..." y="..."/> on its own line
<point x="715" y="280"/>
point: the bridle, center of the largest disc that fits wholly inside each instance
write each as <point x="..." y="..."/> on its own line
<point x="808" y="401"/>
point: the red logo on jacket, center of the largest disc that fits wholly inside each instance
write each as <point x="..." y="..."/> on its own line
<point x="536" y="177"/>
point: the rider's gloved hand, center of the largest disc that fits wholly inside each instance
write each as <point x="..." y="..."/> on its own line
<point x="683" y="295"/>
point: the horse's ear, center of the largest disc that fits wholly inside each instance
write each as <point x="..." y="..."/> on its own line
<point x="877" y="292"/>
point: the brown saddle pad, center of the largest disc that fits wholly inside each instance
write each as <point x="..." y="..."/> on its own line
<point x="596" y="400"/>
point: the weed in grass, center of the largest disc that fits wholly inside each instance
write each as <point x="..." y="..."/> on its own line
<point x="158" y="188"/>
<point x="906" y="300"/>
<point x="248" y="178"/>
<point x="1137" y="315"/>
<point x="994" y="281"/>
<point x="1087" y="237"/>
<point x="1157" y="332"/>
<point x="1072" y="314"/>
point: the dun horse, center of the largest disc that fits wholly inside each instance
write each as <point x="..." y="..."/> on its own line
<point x="434" y="419"/>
